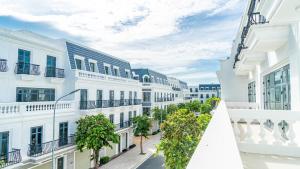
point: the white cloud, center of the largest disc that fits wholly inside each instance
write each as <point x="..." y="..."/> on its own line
<point x="109" y="25"/>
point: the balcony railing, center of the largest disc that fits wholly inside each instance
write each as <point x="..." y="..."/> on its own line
<point x="10" y="158"/>
<point x="3" y="65"/>
<point x="123" y="125"/>
<point x="137" y="101"/>
<point x="130" y="102"/>
<point x="36" y="150"/>
<point x="27" y="68"/>
<point x="55" y="72"/>
<point x="86" y="105"/>
<point x="114" y="103"/>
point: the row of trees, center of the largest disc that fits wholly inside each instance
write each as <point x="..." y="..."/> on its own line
<point x="182" y="131"/>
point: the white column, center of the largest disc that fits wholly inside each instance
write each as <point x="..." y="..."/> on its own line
<point x="294" y="80"/>
<point x="258" y="87"/>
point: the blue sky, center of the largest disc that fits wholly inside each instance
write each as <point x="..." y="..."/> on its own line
<point x="184" y="39"/>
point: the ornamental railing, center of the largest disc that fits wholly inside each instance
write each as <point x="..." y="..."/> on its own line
<point x="10" y="158"/>
<point x="123" y="125"/>
<point x="35" y="150"/>
<point x="27" y="68"/>
<point x="3" y="65"/>
<point x="55" y="72"/>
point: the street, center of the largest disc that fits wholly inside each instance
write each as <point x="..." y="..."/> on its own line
<point x="154" y="162"/>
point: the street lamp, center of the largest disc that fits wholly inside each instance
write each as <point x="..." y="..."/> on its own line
<point x="53" y="127"/>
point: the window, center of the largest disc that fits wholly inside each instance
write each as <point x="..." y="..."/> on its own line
<point x="92" y="67"/>
<point x="121" y="120"/>
<point x="127" y="73"/>
<point x="191" y="90"/>
<point x="116" y="71"/>
<point x="51" y="66"/>
<point x="78" y="64"/>
<point x="4" y="142"/>
<point x="276" y="87"/>
<point x="23" y="62"/>
<point x="134" y="113"/>
<point x="107" y="69"/>
<point x="60" y="163"/>
<point x="207" y="95"/>
<point x="201" y="96"/>
<point x="34" y="94"/>
<point x="63" y="134"/>
<point x="251" y="92"/>
<point x="36" y="140"/>
<point x="146" y="96"/>
<point x="111" y="118"/>
<point x="213" y="95"/>
<point x="196" y="89"/>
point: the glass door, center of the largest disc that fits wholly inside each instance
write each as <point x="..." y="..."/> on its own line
<point x="121" y="120"/>
<point x="99" y="99"/>
<point x="111" y="98"/>
<point x="4" y="136"/>
<point x="36" y="140"/>
<point x="60" y="163"/>
<point x="122" y="98"/>
<point x="83" y="99"/>
<point x="23" y="62"/>
<point x="51" y="66"/>
<point x="63" y="133"/>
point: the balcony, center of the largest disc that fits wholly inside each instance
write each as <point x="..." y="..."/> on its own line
<point x="86" y="105"/>
<point x="36" y="150"/>
<point x="27" y="69"/>
<point x="242" y="136"/>
<point x="137" y="101"/>
<point x="114" y="103"/>
<point x="3" y="65"/>
<point x="54" y="72"/>
<point x="123" y="125"/>
<point x="11" y="158"/>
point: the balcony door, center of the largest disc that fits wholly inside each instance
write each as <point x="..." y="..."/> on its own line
<point x="99" y="98"/>
<point x="23" y="62"/>
<point x="51" y="66"/>
<point x="4" y="136"/>
<point x="122" y="98"/>
<point x="121" y="120"/>
<point x="111" y="98"/>
<point x="36" y="140"/>
<point x="63" y="133"/>
<point x="83" y="98"/>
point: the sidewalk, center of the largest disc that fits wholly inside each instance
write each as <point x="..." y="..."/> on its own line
<point x="132" y="159"/>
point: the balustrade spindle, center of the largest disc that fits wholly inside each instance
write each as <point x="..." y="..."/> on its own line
<point x="276" y="132"/>
<point x="262" y="132"/>
<point x="291" y="133"/>
<point x="236" y="129"/>
<point x="249" y="131"/>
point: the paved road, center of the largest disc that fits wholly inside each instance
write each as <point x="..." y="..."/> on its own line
<point x="154" y="162"/>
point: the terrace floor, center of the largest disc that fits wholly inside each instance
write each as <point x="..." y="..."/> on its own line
<point x="260" y="161"/>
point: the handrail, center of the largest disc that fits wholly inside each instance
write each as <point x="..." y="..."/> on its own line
<point x="10" y="158"/>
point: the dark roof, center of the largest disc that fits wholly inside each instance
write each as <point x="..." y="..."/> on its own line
<point x="210" y="86"/>
<point x="142" y="72"/>
<point x="88" y="53"/>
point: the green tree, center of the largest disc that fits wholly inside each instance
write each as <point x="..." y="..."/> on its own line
<point x="141" y="127"/>
<point x="213" y="101"/>
<point x="182" y="106"/>
<point x="203" y="120"/>
<point x="181" y="134"/>
<point x="159" y="114"/>
<point x="205" y="108"/>
<point x="194" y="106"/>
<point x="172" y="108"/>
<point x="94" y="133"/>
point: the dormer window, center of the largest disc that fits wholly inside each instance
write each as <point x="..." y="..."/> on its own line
<point x="116" y="71"/>
<point x="127" y="73"/>
<point x="107" y="69"/>
<point x="92" y="67"/>
<point x="78" y="64"/>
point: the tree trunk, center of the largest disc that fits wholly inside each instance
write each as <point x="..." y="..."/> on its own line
<point x="96" y="159"/>
<point x="141" y="145"/>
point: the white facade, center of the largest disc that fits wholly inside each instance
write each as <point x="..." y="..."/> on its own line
<point x="202" y="92"/>
<point x="19" y="116"/>
<point x="259" y="115"/>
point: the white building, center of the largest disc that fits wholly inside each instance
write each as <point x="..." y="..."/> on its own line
<point x="257" y="124"/>
<point x="205" y="91"/>
<point x="159" y="91"/>
<point x="34" y="72"/>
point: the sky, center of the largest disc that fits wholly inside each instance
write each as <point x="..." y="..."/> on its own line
<point x="180" y="38"/>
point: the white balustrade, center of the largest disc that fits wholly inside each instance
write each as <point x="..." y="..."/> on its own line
<point x="267" y="131"/>
<point x="242" y="105"/>
<point x="23" y="107"/>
